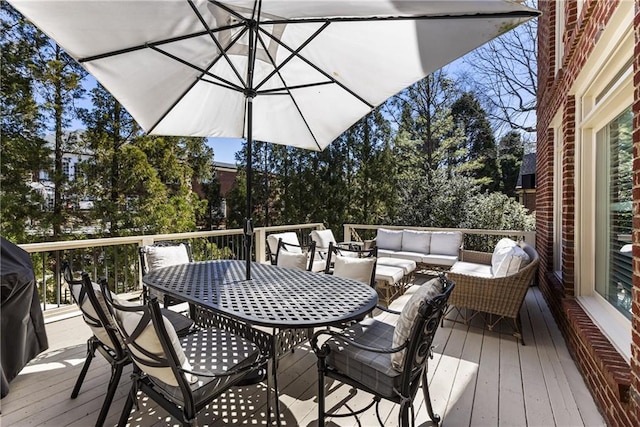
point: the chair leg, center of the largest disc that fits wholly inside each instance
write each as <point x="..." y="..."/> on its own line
<point x="128" y="405"/>
<point x="116" y="373"/>
<point x="321" y="412"/>
<point x="91" y="350"/>
<point x="427" y="398"/>
<point x="403" y="416"/>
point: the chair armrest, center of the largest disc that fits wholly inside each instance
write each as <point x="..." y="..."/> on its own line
<point x="476" y="257"/>
<point x="324" y="350"/>
<point x="387" y="310"/>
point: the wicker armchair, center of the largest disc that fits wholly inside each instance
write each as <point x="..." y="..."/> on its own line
<point x="501" y="296"/>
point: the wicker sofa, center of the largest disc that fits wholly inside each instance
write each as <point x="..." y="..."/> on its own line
<point x="478" y="289"/>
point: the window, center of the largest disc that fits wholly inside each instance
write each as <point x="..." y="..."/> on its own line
<point x="557" y="200"/>
<point x="614" y="178"/>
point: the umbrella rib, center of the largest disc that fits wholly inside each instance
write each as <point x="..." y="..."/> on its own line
<point x="514" y="14"/>
<point x="318" y="69"/>
<point x="217" y="43"/>
<point x="229" y="85"/>
<point x="279" y="90"/>
<point x="290" y="57"/>
<point x="156" y="43"/>
<point x="288" y="90"/>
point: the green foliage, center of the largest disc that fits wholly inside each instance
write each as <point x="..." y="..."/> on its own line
<point x="510" y="154"/>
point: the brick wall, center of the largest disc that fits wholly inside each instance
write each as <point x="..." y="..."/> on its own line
<point x="614" y="384"/>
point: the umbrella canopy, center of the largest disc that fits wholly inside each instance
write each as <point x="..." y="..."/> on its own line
<point x="297" y="73"/>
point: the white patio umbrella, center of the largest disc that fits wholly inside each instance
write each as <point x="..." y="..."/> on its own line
<point x="289" y="72"/>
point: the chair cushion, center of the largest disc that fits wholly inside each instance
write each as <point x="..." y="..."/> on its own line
<point x="408" y="315"/>
<point x="416" y="241"/>
<point x="211" y="351"/>
<point x="288" y="259"/>
<point x="507" y="258"/>
<point x="319" y="264"/>
<point x="472" y="269"/>
<point x="150" y="341"/>
<point x="389" y="274"/>
<point x="323" y="238"/>
<point x="371" y="369"/>
<point x="359" y="269"/>
<point x="87" y="307"/>
<point x="165" y="256"/>
<point x="407" y="265"/>
<point x="288" y="237"/>
<point x="389" y="239"/>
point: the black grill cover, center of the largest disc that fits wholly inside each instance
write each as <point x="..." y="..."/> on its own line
<point x="22" y="326"/>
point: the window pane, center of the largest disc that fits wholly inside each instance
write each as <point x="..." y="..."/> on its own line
<point x="614" y="213"/>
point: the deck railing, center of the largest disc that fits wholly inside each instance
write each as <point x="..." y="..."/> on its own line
<point x="117" y="258"/>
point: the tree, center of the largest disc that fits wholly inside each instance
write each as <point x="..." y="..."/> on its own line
<point x="23" y="151"/>
<point x="510" y="154"/>
<point x="57" y="80"/>
<point x="505" y="77"/>
<point x="481" y="151"/>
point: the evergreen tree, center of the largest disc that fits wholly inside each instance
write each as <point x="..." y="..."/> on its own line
<point x="481" y="162"/>
<point x="510" y="154"/>
<point x="23" y="151"/>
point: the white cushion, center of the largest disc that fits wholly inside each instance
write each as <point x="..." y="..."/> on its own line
<point x="150" y="341"/>
<point x="164" y="256"/>
<point x="407" y="265"/>
<point x="389" y="239"/>
<point x="446" y="242"/>
<point x="288" y="259"/>
<point x="472" y="269"/>
<point x="87" y="307"/>
<point x="323" y="238"/>
<point x="407" y="316"/>
<point x="416" y="241"/>
<point x="359" y="269"/>
<point x="288" y="237"/>
<point x="513" y="259"/>
<point x="501" y="250"/>
<point x="389" y="274"/>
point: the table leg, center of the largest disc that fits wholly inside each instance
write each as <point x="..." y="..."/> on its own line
<point x="272" y="382"/>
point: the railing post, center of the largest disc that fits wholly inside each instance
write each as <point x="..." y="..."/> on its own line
<point x="261" y="244"/>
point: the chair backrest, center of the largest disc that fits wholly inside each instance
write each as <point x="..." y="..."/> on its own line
<point x="164" y="254"/>
<point x="323" y="239"/>
<point x="351" y="263"/>
<point x="423" y="314"/>
<point x="290" y="255"/>
<point x="91" y="302"/>
<point x="273" y="239"/>
<point x="152" y="342"/>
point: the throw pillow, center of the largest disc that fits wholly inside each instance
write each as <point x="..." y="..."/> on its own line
<point x="389" y="239"/>
<point x="164" y="256"/>
<point x="288" y="259"/>
<point x="408" y="315"/>
<point x="502" y="250"/>
<point x="359" y="269"/>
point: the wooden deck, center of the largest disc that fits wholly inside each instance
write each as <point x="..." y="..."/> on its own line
<point x="477" y="378"/>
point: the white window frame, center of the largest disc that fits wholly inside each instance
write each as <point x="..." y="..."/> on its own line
<point x="560" y="27"/>
<point x="558" y="141"/>
<point x="602" y="93"/>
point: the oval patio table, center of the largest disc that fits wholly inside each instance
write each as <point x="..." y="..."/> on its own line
<point x="290" y="302"/>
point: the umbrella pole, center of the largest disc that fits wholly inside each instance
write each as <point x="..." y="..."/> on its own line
<point x="248" y="223"/>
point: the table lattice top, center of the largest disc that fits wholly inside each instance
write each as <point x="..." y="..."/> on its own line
<point x="275" y="297"/>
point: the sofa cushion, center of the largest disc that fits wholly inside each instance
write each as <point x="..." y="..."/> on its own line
<point x="413" y="256"/>
<point x="472" y="269"/>
<point x="446" y="242"/>
<point x="408" y="315"/>
<point x="389" y="239"/>
<point x="323" y="238"/>
<point x="416" y="241"/>
<point x="288" y="237"/>
<point x="439" y="260"/>
<point x="407" y="265"/>
<point x="388" y="274"/>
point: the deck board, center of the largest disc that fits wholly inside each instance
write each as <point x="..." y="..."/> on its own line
<point x="477" y="378"/>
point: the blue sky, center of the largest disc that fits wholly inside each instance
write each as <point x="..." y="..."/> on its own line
<point x="224" y="149"/>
